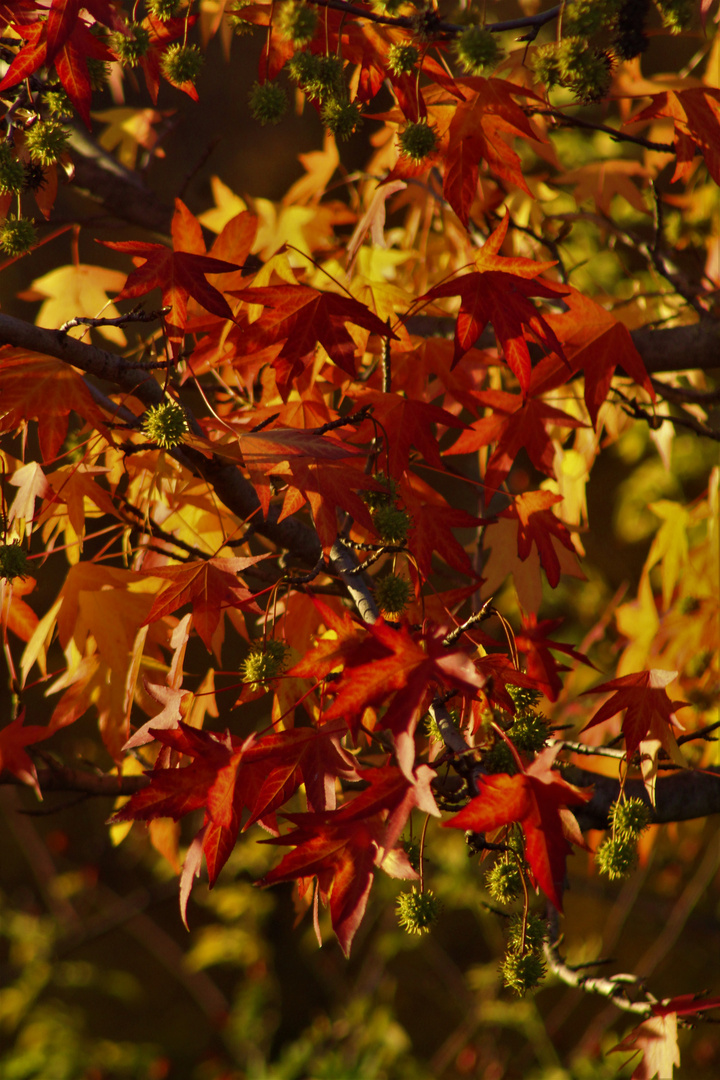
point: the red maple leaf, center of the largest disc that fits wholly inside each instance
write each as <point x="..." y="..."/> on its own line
<point x="656" y="1038"/>
<point x="309" y="463"/>
<point x="514" y="423"/>
<point x="499" y="291"/>
<point x="648" y="709"/>
<point x="404" y="669"/>
<point x="433" y="521"/>
<point x="178" y="272"/>
<point x="695" y="114"/>
<point x="596" y="343"/>
<point x="41" y="388"/>
<point x="326" y="486"/>
<point x="476" y="134"/>
<point x="15" y="614"/>
<point x="209" y="585"/>
<point x="302" y="317"/>
<point x="342" y="848"/>
<point x="535" y="799"/>
<point x="408" y="423"/>
<point x="534" y="641"/>
<point x="14" y="738"/>
<point x="228" y="777"/>
<point x="328" y="653"/>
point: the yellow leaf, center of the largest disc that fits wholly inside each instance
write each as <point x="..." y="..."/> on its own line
<point x="227" y="206"/>
<point x="78" y="291"/>
<point x="130" y="129"/>
<point x="670" y="546"/>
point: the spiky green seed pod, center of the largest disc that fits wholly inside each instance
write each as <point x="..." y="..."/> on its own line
<point x="130" y="47"/>
<point x="522" y="973"/>
<point x="166" y="424"/>
<point x="12" y="172"/>
<point x="392" y="594"/>
<point x="676" y="15"/>
<point x="630" y="37"/>
<point x="616" y="856"/>
<point x="181" y="63"/>
<point x="392" y="523"/>
<point x="402" y="59"/>
<point x="34" y="176"/>
<point x="586" y="17"/>
<point x="302" y="67"/>
<point x="504" y="882"/>
<point x="13" y="561"/>
<point x="341" y="118"/>
<point x="375" y="499"/>
<point x="476" y="49"/>
<point x="264" y="662"/>
<point x="98" y="71"/>
<point x="162" y="9"/>
<point x="46" y="141"/>
<point x="17" y="235"/>
<point x="629" y="818"/>
<point x="417" y="911"/>
<point x="529" y="732"/>
<point x="546" y="65"/>
<point x="240" y="27"/>
<point x="584" y="71"/>
<point x="426" y="23"/>
<point x="296" y="22"/>
<point x="320" y="77"/>
<point x="417" y="141"/>
<point x="58" y="104"/>
<point x="267" y="102"/>
<point x="499" y="759"/>
<point x="535" y="933"/>
<point x="524" y="697"/>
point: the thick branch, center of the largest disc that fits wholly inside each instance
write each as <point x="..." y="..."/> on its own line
<point x="687" y="794"/>
<point x="683" y="796"/>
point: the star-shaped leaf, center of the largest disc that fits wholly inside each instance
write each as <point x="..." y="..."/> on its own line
<point x="535" y="799"/>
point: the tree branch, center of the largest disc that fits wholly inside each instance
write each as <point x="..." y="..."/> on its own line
<point x="122" y="193"/>
<point x="684" y="796"/>
<point x="687" y="794"/>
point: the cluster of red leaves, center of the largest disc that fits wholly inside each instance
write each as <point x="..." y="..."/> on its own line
<point x="62" y="37"/>
<point x="370" y="685"/>
<point x="388" y="674"/>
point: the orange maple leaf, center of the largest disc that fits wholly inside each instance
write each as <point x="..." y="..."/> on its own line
<point x="695" y="114"/>
<point x="179" y="272"/>
<point x="514" y="423"/>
